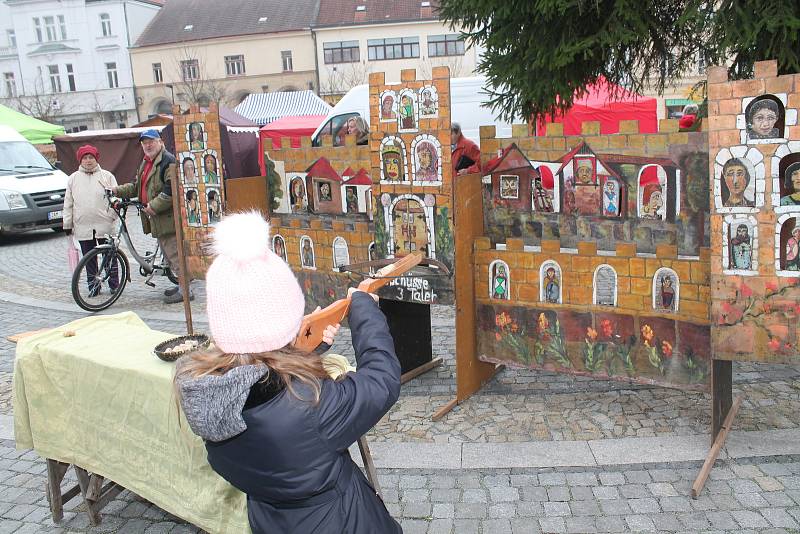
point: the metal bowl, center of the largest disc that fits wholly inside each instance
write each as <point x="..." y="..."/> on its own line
<point x="160" y="350"/>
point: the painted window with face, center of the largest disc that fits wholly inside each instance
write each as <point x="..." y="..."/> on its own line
<point x="764" y="118"/>
<point x="737" y="184"/>
<point x="210" y="171"/>
<point x="585" y="171"/>
<point x="550" y="282"/>
<point x="499" y="283"/>
<point x="192" y="208"/>
<point x="188" y="169"/>
<point x="790" y="245"/>
<point x="297" y="194"/>
<point x="791" y="186"/>
<point x="426" y="162"/>
<point x="665" y="290"/>
<point x="408" y="113"/>
<point x="196" y="136"/>
<point x="307" y="260"/>
<point x="324" y="191"/>
<point x="541" y="199"/>
<point x="652" y="192"/>
<point x="351" y="198"/>
<point x="279" y="247"/>
<point x="388" y="106"/>
<point x="428" y="103"/>
<point x="214" y="205"/>
<point x="740" y="249"/>
<point x="393" y="160"/>
<point x="611" y="198"/>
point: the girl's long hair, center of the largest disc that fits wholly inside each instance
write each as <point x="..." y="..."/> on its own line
<point x="288" y="363"/>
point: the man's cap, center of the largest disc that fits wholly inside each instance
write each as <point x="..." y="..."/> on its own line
<point x="152" y="133"/>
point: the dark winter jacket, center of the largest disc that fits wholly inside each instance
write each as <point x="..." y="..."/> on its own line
<point x="159" y="193"/>
<point x="289" y="456"/>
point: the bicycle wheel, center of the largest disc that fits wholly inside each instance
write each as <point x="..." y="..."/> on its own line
<point x="96" y="273"/>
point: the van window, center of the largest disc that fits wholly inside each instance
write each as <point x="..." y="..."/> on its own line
<point x="333" y="127"/>
<point x="21" y="157"/>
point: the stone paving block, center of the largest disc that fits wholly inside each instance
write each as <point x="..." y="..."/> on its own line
<point x="703" y="502"/>
<point x="503" y="510"/>
<point x="445" y="495"/>
<point x="470" y="511"/>
<point x="20" y="511"/>
<point x="581" y="479"/>
<point x="646" y="505"/>
<point x="778" y="498"/>
<point x="525" y="526"/>
<point x="552" y="524"/>
<point x="743" y="486"/>
<point x="534" y="494"/>
<point x="417" y="509"/>
<point x="468" y="481"/>
<point x="612" y="478"/>
<point x="675" y="504"/>
<point x="581" y="493"/>
<point x="499" y="526"/>
<point x="556" y="509"/>
<point x="414" y="526"/>
<point x="666" y="521"/>
<point x="639" y="523"/>
<point x="467" y="526"/>
<point x="662" y="489"/>
<point x="552" y="479"/>
<point x="634" y="491"/>
<point x="591" y="507"/>
<point x="605" y="492"/>
<point x="751" y="500"/>
<point x="580" y="525"/>
<point x="160" y="528"/>
<point x="442" y="481"/>
<point x="8" y="526"/>
<point x="663" y="475"/>
<point x="440" y="526"/>
<point x="610" y="524"/>
<point x="768" y="483"/>
<point x="492" y="481"/>
<point x="790" y="482"/>
<point x="774" y="469"/>
<point x="615" y="507"/>
<point x="779" y="517"/>
<point x="443" y="510"/>
<point x="694" y="520"/>
<point x="415" y="495"/>
<point x="503" y="494"/>
<point x="746" y="470"/>
<point x="722" y="520"/>
<point x="638" y="477"/>
<point x="474" y="495"/>
<point x="558" y="493"/>
<point x="524" y="480"/>
<point x="749" y="519"/>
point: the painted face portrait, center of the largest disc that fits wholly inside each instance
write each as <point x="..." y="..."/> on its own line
<point x="584" y="173"/>
<point x="392" y="165"/>
<point x="763" y="117"/>
<point x="325" y="191"/>
<point x="211" y="164"/>
<point x="386" y="107"/>
<point x="736" y="180"/>
<point x="189" y="170"/>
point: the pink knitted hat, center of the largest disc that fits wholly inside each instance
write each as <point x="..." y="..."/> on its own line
<point x="253" y="301"/>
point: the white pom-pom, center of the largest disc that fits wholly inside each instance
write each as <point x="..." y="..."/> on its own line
<point x="242" y="236"/>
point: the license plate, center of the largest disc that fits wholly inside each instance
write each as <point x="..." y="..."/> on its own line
<point x="53" y="215"/>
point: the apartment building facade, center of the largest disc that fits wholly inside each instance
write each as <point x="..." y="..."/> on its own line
<point x="67" y="62"/>
<point x="198" y="52"/>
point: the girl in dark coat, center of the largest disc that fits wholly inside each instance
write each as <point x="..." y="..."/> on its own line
<point x="276" y="427"/>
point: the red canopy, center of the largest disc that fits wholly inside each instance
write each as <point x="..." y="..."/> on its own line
<point x="604" y="105"/>
<point x="292" y="127"/>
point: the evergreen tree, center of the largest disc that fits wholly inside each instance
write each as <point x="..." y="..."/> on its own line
<point x="542" y="54"/>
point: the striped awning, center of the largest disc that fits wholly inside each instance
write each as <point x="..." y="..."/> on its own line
<point x="263" y="108"/>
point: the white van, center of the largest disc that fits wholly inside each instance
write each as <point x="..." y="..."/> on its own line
<point x="466" y="97"/>
<point x="31" y="190"/>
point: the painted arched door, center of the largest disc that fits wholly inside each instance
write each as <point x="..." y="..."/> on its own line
<point x="410" y="227"/>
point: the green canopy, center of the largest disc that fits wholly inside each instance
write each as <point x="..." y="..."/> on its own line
<point x="36" y="131"/>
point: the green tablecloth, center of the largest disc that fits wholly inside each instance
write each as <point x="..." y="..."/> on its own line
<point x="103" y="401"/>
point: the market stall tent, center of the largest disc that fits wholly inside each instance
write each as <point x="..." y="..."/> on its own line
<point x="608" y="104"/>
<point x="36" y="131"/>
<point x="264" y="108"/>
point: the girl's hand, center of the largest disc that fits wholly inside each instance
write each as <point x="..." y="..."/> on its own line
<point x="330" y="333"/>
<point x="351" y="290"/>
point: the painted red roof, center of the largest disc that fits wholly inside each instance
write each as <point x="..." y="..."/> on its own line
<point x="322" y="169"/>
<point x="348" y="172"/>
<point x="360" y="178"/>
<point x="511" y="158"/>
<point x="548" y="181"/>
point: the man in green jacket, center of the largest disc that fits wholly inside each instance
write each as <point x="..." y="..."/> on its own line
<point x="153" y="187"/>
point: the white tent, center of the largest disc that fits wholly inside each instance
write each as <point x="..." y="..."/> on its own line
<point x="263" y="108"/>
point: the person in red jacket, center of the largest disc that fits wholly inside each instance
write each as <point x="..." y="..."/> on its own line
<point x="466" y="157"/>
<point x="689" y="116"/>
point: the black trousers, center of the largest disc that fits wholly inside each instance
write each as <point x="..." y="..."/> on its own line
<point x="91" y="267"/>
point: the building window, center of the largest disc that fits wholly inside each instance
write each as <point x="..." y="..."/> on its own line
<point x="63" y="26"/>
<point x="341" y="52"/>
<point x="37" y="25"/>
<point x="111" y="72"/>
<point x="50" y="28"/>
<point x="286" y="59"/>
<point x="105" y="24"/>
<point x="12" y="38"/>
<point x="158" y="76"/>
<point x="395" y="48"/>
<point x="234" y="65"/>
<point x="55" y="78"/>
<point x="70" y="77"/>
<point x="11" y="84"/>
<point x="701" y="64"/>
<point x="190" y="70"/>
<point x="445" y="45"/>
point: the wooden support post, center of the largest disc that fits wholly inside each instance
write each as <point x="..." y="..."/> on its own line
<point x="369" y="465"/>
<point x="447" y="408"/>
<point x="183" y="276"/>
<point x="697" y="487"/>
<point x="55" y="475"/>
<point x="424" y="368"/>
<point x="96" y="495"/>
<point x="721" y="394"/>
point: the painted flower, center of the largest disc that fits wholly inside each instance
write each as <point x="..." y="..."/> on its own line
<point x="797" y="309"/>
<point x="666" y="349"/>
<point x="771" y="286"/>
<point x="331" y="293"/>
<point x="591" y="333"/>
<point x="307" y="284"/>
<point x="607" y="327"/>
<point x="502" y="319"/>
<point x="497" y="336"/>
<point x="544" y="324"/>
<point x="774" y="344"/>
<point x="746" y="291"/>
<point x="647" y="334"/>
<point x="767" y="308"/>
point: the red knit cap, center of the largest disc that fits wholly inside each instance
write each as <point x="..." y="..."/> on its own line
<point x="88" y="149"/>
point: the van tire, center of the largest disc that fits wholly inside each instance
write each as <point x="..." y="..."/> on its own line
<point x="58" y="229"/>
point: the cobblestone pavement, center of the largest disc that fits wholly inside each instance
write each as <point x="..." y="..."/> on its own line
<point x="744" y="495"/>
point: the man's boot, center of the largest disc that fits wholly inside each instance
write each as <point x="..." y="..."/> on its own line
<point x="171" y="291"/>
<point x="177" y="297"/>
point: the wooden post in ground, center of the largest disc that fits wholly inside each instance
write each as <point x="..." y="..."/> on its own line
<point x="700" y="482"/>
<point x="183" y="276"/>
<point x="721" y="394"/>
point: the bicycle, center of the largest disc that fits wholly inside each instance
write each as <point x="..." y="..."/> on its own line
<point x="112" y="263"/>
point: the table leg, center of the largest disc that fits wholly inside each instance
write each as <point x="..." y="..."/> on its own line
<point x="55" y="476"/>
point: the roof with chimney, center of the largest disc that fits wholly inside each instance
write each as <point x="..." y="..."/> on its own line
<point x="354" y="12"/>
<point x="192" y="20"/>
